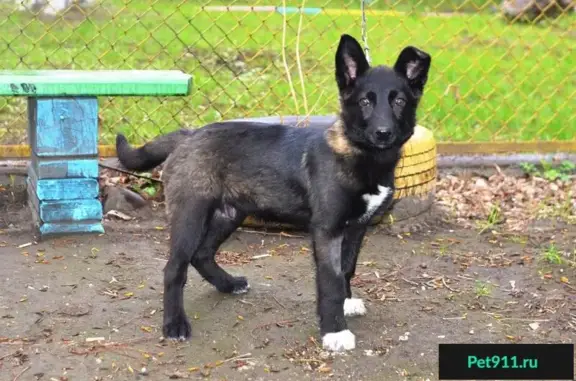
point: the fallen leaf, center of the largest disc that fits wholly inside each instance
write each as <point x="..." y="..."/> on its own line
<point x="120" y="215"/>
<point x="564" y="279"/>
<point x="128" y="294"/>
<point x="146" y="328"/>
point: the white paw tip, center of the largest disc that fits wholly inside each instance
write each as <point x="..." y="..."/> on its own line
<point x="242" y="290"/>
<point x="339" y="341"/>
<point x="354" y="307"/>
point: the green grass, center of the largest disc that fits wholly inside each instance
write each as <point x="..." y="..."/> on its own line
<point x="551" y="172"/>
<point x="552" y="255"/>
<point x="489" y="80"/>
<point x="494" y="218"/>
<point x="482" y="289"/>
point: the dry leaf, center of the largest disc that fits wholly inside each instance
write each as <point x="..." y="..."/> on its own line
<point x="117" y="214"/>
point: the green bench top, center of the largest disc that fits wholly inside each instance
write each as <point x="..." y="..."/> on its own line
<point x="51" y="83"/>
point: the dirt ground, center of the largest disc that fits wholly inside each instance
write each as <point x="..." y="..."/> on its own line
<point x="90" y="308"/>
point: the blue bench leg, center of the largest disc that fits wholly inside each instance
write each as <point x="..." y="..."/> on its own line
<point x="63" y="174"/>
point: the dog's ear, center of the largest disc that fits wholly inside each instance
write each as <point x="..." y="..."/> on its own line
<point x="413" y="64"/>
<point x="351" y="62"/>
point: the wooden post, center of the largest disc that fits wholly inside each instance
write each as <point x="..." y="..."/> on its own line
<point x="63" y="135"/>
<point x="63" y="173"/>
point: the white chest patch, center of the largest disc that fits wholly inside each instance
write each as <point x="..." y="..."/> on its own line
<point x="373" y="202"/>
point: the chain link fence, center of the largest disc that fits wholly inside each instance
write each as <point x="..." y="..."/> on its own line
<point x="494" y="78"/>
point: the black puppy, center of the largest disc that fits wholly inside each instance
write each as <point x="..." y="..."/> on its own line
<point x="332" y="180"/>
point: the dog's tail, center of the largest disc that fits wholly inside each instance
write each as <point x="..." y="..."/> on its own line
<point x="150" y="154"/>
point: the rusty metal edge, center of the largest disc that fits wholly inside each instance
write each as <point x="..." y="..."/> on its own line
<point x="16" y="157"/>
<point x="444" y="149"/>
<point x="475" y="161"/>
<point x="487" y="148"/>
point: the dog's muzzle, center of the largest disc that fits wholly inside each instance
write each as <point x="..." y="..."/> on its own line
<point x="383" y="137"/>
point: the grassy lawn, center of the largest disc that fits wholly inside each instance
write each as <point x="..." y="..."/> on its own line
<point x="489" y="81"/>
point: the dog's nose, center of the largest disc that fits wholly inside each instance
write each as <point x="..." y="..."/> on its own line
<point x="383" y="134"/>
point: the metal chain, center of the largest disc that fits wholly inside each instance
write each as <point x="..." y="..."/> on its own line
<point x="365" y="30"/>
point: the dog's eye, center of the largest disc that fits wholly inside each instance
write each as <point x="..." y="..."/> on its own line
<point x="400" y="102"/>
<point x="364" y="102"/>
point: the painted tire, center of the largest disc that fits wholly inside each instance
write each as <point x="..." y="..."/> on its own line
<point x="415" y="177"/>
<point x="415" y="173"/>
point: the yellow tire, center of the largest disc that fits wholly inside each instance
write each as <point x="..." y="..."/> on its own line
<point x="415" y="177"/>
<point x="415" y="181"/>
<point x="416" y="171"/>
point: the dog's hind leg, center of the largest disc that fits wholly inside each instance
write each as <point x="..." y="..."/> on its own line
<point x="353" y="236"/>
<point x="223" y="223"/>
<point x="189" y="223"/>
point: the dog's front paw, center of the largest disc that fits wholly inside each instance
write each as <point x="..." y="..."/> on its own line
<point x="354" y="307"/>
<point x="240" y="285"/>
<point x="339" y="341"/>
<point x="177" y="328"/>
